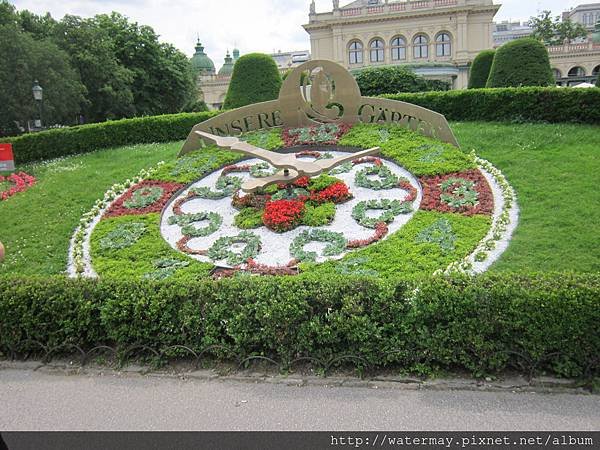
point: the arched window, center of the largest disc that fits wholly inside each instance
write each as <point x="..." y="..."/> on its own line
<point x="420" y="47"/>
<point x="577" y="72"/>
<point x="377" y="50"/>
<point x="355" y="52"/>
<point x="557" y="74"/>
<point x="398" y="49"/>
<point x="596" y="71"/>
<point x="443" y="45"/>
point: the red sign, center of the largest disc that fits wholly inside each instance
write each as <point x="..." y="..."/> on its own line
<point x="6" y="153"/>
<point x="6" y="157"/>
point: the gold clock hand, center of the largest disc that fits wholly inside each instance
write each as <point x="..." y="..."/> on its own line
<point x="278" y="160"/>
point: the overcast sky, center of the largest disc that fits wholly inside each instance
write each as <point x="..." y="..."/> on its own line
<point x="251" y="25"/>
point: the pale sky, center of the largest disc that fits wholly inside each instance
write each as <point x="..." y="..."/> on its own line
<point x="251" y="25"/>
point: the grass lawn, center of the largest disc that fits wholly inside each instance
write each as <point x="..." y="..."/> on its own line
<point x="36" y="226"/>
<point x="554" y="169"/>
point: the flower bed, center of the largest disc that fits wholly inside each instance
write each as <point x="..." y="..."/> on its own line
<point x="15" y="183"/>
<point x="368" y="216"/>
<point x="466" y="193"/>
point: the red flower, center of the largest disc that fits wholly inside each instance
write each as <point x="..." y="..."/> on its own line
<point x="20" y="182"/>
<point x="283" y="215"/>
<point x="336" y="193"/>
<point x="381" y="229"/>
<point x="302" y="182"/>
<point x="118" y="208"/>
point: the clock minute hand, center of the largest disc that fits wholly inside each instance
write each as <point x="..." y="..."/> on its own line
<point x="328" y="164"/>
<point x="278" y="160"/>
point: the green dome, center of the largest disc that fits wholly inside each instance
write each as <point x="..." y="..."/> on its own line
<point x="236" y="54"/>
<point x="227" y="68"/>
<point x="201" y="62"/>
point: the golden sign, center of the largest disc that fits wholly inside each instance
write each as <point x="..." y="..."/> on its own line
<point x="321" y="92"/>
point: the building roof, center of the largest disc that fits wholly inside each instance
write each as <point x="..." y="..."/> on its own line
<point x="200" y="61"/>
<point x="227" y="68"/>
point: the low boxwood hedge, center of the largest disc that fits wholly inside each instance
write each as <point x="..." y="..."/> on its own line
<point x="484" y="324"/>
<point x="532" y="104"/>
<point x="86" y="138"/>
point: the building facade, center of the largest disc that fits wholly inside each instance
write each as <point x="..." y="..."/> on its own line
<point x="507" y="31"/>
<point x="436" y="38"/>
<point x="587" y="15"/>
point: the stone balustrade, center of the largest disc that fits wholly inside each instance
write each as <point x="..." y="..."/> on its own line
<point x="573" y="48"/>
<point x="415" y="5"/>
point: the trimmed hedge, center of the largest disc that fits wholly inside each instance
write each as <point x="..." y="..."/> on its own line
<point x="522" y="62"/>
<point x="392" y="79"/>
<point x="484" y="324"/>
<point x="86" y="138"/>
<point x="533" y="104"/>
<point x="255" y="79"/>
<point x="480" y="69"/>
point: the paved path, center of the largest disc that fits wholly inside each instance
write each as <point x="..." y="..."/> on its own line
<point x="36" y="400"/>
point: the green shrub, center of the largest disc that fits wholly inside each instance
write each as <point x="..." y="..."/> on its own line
<point x="390" y="80"/>
<point x="87" y="138"/>
<point x="483" y="324"/>
<point x="319" y="215"/>
<point x="522" y="62"/>
<point x="480" y="69"/>
<point x="598" y="80"/>
<point x="533" y="104"/>
<point x="255" y="79"/>
<point x="249" y="218"/>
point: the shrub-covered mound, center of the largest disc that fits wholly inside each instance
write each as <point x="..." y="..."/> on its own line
<point x="486" y="324"/>
<point x="522" y="62"/>
<point x="255" y="79"/>
<point x="364" y="217"/>
<point x="480" y="69"/>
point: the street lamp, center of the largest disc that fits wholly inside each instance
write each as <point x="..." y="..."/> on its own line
<point x="38" y="96"/>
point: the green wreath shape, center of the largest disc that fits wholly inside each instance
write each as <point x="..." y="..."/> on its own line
<point x="220" y="250"/>
<point x="185" y="221"/>
<point x="143" y="197"/>
<point x="463" y="194"/>
<point x="387" y="180"/>
<point x="226" y="185"/>
<point x="391" y="209"/>
<point x="262" y="170"/>
<point x="337" y="244"/>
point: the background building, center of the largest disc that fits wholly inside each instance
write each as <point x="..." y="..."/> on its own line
<point x="587" y="15"/>
<point x="438" y="38"/>
<point x="289" y="60"/>
<point x="507" y="31"/>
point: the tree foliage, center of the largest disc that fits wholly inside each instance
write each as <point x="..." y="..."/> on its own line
<point x="480" y="69"/>
<point x="523" y="62"/>
<point x="24" y="60"/>
<point x="555" y="31"/>
<point x="255" y="79"/>
<point x="126" y="71"/>
<point x="392" y="80"/>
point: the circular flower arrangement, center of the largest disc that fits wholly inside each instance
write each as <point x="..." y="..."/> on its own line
<point x="420" y="206"/>
<point x="15" y="183"/>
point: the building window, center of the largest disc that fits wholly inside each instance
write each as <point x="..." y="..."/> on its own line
<point x="377" y="50"/>
<point x="398" y="49"/>
<point x="443" y="45"/>
<point x="355" y="52"/>
<point x="421" y="47"/>
<point x="596" y="71"/>
<point x="577" y="72"/>
<point x="557" y="74"/>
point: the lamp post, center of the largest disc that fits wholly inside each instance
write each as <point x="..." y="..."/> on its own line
<point x="38" y="96"/>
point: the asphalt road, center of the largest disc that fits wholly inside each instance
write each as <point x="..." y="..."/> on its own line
<point x="32" y="400"/>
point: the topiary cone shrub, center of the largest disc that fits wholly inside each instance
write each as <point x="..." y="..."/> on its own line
<point x="523" y="62"/>
<point x="255" y="79"/>
<point x="480" y="70"/>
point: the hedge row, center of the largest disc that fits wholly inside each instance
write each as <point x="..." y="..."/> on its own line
<point x="483" y="324"/>
<point x="86" y="138"/>
<point x="532" y="104"/>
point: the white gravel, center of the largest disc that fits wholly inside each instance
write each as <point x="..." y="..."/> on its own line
<point x="275" y="246"/>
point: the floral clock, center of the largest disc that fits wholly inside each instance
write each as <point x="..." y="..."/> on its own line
<point x="419" y="207"/>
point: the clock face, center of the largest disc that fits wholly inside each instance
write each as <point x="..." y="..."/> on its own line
<point x="311" y="220"/>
